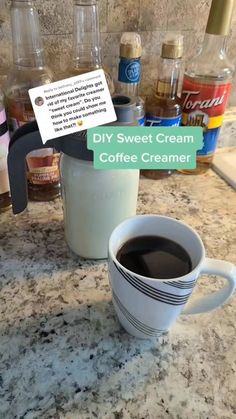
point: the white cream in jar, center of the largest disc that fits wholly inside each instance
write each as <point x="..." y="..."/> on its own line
<point x="95" y="202"/>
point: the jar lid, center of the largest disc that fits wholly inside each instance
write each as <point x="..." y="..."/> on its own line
<point x="130" y="45"/>
<point x="75" y="145"/>
<point x="172" y="46"/>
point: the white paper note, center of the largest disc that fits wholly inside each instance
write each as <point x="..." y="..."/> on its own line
<point x="72" y="105"/>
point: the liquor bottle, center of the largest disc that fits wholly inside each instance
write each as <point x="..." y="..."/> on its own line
<point x="5" y="198"/>
<point x="29" y="70"/>
<point x="164" y="108"/>
<point x="129" y="72"/>
<point x="207" y="83"/>
<point x="86" y="41"/>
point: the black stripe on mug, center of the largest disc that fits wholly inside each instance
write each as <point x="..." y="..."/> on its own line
<point x="149" y="328"/>
<point x="141" y="327"/>
<point x="152" y="292"/>
<point x="153" y="289"/>
<point x="181" y="284"/>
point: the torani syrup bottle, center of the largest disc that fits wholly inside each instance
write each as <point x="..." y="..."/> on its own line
<point x="207" y="83"/>
<point x="164" y="108"/>
<point x="29" y="70"/>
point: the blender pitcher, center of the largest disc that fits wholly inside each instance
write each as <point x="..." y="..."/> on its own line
<point x="94" y="201"/>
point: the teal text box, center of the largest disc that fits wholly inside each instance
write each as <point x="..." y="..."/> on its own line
<point x="145" y="147"/>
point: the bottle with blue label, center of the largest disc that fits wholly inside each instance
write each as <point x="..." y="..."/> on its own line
<point x="164" y="107"/>
<point x="129" y="72"/>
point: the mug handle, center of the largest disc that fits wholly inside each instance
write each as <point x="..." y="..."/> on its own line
<point x="217" y="298"/>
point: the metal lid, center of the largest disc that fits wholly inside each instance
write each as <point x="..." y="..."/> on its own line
<point x="75" y="145"/>
<point x="172" y="46"/>
<point x="130" y="45"/>
<point x="220" y="15"/>
<point x="28" y="138"/>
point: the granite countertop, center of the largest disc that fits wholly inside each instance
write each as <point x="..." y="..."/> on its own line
<point x="63" y="353"/>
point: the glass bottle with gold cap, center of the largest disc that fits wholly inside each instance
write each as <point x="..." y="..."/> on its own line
<point x="129" y="72"/>
<point x="164" y="108"/>
<point x="130" y="64"/>
<point x="207" y="83"/>
<point x="29" y="70"/>
<point x="86" y="41"/>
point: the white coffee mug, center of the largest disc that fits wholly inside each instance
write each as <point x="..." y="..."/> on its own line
<point x="147" y="307"/>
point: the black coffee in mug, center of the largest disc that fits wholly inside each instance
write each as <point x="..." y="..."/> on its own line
<point x="154" y="257"/>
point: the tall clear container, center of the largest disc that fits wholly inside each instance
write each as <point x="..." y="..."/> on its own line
<point x="86" y="41"/>
<point x="164" y="108"/>
<point x="29" y="70"/>
<point x="129" y="71"/>
<point x="96" y="201"/>
<point x="207" y="83"/>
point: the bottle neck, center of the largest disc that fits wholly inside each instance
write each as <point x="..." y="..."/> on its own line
<point x="86" y="36"/>
<point x="168" y="78"/>
<point x="214" y="45"/>
<point x="26" y="38"/>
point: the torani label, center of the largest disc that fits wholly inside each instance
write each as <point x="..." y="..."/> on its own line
<point x="204" y="105"/>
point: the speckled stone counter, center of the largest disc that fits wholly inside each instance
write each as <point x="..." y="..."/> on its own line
<point x="63" y="353"/>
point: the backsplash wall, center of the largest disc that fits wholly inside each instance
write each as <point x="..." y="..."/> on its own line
<point x="150" y="18"/>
